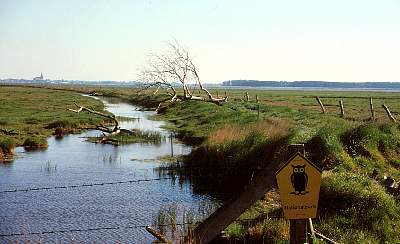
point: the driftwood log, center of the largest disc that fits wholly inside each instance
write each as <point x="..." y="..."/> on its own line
<point x="102" y="128"/>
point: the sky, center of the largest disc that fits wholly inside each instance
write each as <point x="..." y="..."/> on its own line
<point x="329" y="40"/>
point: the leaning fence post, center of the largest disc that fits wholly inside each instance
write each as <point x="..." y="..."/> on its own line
<point x="371" y="107"/>
<point x="388" y="113"/>
<point x="341" y="108"/>
<point x="320" y="104"/>
<point x="157" y="235"/>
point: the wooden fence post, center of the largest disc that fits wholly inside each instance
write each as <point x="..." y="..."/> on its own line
<point x="371" y="107"/>
<point x="298" y="227"/>
<point x="257" y="99"/>
<point x="388" y="113"/>
<point x="217" y="94"/>
<point x="341" y="108"/>
<point x="247" y="96"/>
<point x="320" y="104"/>
<point x="172" y="144"/>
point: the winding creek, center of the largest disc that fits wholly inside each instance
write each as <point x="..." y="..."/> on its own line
<point x="73" y="161"/>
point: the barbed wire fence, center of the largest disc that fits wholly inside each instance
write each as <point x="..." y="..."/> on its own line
<point x="80" y="230"/>
<point x="184" y="225"/>
<point x="106" y="228"/>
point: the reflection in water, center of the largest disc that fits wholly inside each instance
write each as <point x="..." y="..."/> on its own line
<point x="73" y="161"/>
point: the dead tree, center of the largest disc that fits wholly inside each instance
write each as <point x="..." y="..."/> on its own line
<point x="175" y="70"/>
<point x="102" y="128"/>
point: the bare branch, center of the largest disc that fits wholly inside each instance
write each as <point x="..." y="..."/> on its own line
<point x="99" y="127"/>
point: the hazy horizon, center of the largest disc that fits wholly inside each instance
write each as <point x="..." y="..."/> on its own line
<point x="336" y="41"/>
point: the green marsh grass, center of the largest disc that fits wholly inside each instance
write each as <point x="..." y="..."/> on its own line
<point x="228" y="145"/>
<point x="38" y="111"/>
<point x="135" y="136"/>
<point x="175" y="222"/>
<point x="353" y="207"/>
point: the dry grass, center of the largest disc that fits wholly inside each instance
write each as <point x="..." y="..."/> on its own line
<point x="269" y="231"/>
<point x="270" y="128"/>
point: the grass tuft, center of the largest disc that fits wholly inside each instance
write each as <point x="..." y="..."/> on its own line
<point x="269" y="128"/>
<point x="7" y="145"/>
<point x="34" y="143"/>
<point x="135" y="136"/>
<point x="64" y="123"/>
<point x="349" y="201"/>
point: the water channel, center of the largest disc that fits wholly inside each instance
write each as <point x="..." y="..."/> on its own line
<point x="73" y="161"/>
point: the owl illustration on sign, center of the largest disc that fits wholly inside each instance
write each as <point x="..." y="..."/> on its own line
<point x="299" y="179"/>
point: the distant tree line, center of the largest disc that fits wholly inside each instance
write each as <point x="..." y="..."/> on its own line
<point x="317" y="84"/>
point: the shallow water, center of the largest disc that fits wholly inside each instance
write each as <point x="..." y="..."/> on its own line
<point x="124" y="208"/>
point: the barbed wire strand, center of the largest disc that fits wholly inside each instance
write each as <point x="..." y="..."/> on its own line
<point x="120" y="227"/>
<point x="91" y="229"/>
<point x="162" y="171"/>
<point x="86" y="185"/>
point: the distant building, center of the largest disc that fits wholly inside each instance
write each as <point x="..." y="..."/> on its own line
<point x="39" y="78"/>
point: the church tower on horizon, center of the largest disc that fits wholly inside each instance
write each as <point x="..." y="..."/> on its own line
<point x="39" y="77"/>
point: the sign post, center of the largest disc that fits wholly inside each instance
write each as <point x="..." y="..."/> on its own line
<point x="299" y="182"/>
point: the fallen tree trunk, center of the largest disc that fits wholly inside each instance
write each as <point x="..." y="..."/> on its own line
<point x="210" y="99"/>
<point x="105" y="140"/>
<point x="102" y="128"/>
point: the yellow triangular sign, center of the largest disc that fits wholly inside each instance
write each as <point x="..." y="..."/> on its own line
<point x="299" y="182"/>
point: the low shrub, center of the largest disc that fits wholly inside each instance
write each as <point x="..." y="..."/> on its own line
<point x="7" y="145"/>
<point x="34" y="143"/>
